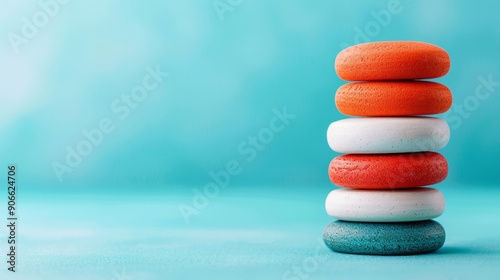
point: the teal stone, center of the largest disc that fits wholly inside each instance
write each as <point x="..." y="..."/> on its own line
<point x="384" y="238"/>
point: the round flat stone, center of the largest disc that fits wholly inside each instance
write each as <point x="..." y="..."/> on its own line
<point x="388" y="171"/>
<point x="378" y="135"/>
<point x="407" y="205"/>
<point x="395" y="60"/>
<point x="384" y="238"/>
<point x="393" y="98"/>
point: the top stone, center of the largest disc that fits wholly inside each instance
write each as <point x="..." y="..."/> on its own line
<point x="395" y="60"/>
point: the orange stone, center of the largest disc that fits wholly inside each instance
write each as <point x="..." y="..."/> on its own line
<point x="388" y="171"/>
<point x="394" y="60"/>
<point x="393" y="98"/>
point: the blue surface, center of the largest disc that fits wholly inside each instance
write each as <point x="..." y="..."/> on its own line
<point x="250" y="233"/>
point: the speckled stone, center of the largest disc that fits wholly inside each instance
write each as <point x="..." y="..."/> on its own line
<point x="393" y="98"/>
<point x="382" y="135"/>
<point x="393" y="60"/>
<point x="388" y="171"/>
<point x="385" y="206"/>
<point x="384" y="238"/>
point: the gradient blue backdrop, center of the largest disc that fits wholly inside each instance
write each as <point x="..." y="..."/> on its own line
<point x="226" y="76"/>
<point x="118" y="210"/>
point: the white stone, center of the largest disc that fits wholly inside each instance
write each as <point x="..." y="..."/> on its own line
<point x="402" y="205"/>
<point x="375" y="135"/>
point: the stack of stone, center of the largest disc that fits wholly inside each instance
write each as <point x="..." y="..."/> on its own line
<point x="384" y="206"/>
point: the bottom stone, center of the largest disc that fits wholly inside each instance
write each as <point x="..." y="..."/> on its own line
<point x="384" y="238"/>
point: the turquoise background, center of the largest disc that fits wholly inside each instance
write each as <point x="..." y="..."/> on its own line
<point x="118" y="211"/>
<point x="226" y="77"/>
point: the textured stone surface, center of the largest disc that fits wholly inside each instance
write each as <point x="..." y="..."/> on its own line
<point x="406" y="205"/>
<point x="388" y="135"/>
<point x="388" y="171"/>
<point x="393" y="98"/>
<point x="395" y="60"/>
<point x="384" y="238"/>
